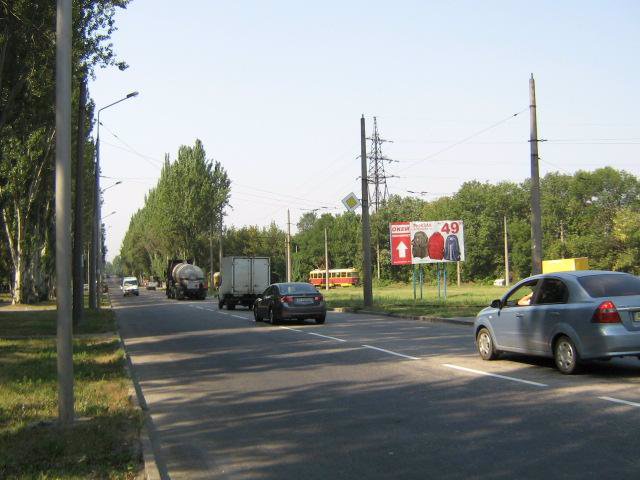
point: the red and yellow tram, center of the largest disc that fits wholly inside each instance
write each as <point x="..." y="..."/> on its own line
<point x="338" y="277"/>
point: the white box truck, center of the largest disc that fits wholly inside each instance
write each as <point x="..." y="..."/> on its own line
<point x="242" y="279"/>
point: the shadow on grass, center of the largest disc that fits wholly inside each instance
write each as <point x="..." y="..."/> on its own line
<point x="102" y="447"/>
<point x="37" y="322"/>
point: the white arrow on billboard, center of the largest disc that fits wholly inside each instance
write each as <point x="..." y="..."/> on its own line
<point x="402" y="249"/>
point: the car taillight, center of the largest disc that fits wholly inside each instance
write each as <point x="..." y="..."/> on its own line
<point x="318" y="298"/>
<point x="606" y="313"/>
<point x="286" y="299"/>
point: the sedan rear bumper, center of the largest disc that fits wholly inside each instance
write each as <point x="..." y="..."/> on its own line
<point x="612" y="341"/>
<point x="294" y="311"/>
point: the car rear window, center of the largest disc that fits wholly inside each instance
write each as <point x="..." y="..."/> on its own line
<point x="297" y="288"/>
<point x="607" y="285"/>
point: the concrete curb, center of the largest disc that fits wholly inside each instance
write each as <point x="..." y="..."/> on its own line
<point x="465" y="321"/>
<point x="151" y="470"/>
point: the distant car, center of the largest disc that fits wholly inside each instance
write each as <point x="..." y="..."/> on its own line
<point x="296" y="300"/>
<point x="152" y="284"/>
<point x="130" y="286"/>
<point x="570" y="316"/>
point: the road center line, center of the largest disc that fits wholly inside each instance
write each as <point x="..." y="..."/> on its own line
<point x="617" y="400"/>
<point x="504" y="377"/>
<point x="324" y="336"/>
<point x="391" y="353"/>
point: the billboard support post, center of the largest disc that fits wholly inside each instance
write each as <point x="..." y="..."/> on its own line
<point x="413" y="281"/>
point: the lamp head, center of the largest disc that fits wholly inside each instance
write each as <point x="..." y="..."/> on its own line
<point x="132" y="94"/>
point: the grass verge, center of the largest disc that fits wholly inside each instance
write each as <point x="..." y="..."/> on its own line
<point x="463" y="301"/>
<point x="103" y="443"/>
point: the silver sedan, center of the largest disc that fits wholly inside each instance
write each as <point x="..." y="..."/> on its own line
<point x="570" y="316"/>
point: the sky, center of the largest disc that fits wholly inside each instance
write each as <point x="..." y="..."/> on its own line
<point x="275" y="91"/>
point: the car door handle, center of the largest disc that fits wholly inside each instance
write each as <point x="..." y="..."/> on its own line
<point x="555" y="314"/>
<point x="520" y="315"/>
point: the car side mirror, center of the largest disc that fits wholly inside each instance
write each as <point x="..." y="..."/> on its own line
<point x="496" y="304"/>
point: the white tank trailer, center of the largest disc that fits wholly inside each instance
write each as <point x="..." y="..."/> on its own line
<point x="185" y="280"/>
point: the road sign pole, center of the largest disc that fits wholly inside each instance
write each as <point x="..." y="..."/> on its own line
<point x="421" y="280"/>
<point x="445" y="282"/>
<point x="413" y="281"/>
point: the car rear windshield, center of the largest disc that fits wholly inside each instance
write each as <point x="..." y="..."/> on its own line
<point x="297" y="288"/>
<point x="607" y="285"/>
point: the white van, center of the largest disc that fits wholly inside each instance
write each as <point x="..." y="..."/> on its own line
<point x="130" y="286"/>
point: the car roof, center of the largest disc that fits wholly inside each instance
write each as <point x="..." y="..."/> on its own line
<point x="129" y="278"/>
<point x="291" y="283"/>
<point x="583" y="273"/>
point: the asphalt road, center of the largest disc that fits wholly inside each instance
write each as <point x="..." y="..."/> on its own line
<point x="367" y="397"/>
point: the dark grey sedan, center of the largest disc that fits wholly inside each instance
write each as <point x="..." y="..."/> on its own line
<point x="295" y="300"/>
<point x="570" y="316"/>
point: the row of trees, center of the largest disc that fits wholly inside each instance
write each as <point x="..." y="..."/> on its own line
<point x="593" y="214"/>
<point x="179" y="217"/>
<point x="27" y="131"/>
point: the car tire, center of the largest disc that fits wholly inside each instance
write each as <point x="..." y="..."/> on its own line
<point x="486" y="346"/>
<point x="231" y="306"/>
<point x="273" y="318"/>
<point x="321" y="319"/>
<point x="566" y="356"/>
<point x="220" y="304"/>
<point x="256" y="315"/>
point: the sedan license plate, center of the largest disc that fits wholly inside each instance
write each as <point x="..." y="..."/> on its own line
<point x="636" y="316"/>
<point x="193" y="285"/>
<point x="304" y="301"/>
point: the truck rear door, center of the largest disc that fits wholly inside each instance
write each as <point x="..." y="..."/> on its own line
<point x="241" y="276"/>
<point x="261" y="275"/>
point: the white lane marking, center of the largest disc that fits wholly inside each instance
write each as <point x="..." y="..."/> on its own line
<point x="224" y="313"/>
<point x="324" y="336"/>
<point x="240" y="317"/>
<point x="617" y="400"/>
<point x="504" y="377"/>
<point x="289" y="328"/>
<point x="392" y="353"/>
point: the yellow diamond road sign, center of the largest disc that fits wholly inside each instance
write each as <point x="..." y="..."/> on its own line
<point x="351" y="202"/>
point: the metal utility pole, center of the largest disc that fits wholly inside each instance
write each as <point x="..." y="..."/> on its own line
<point x="64" y="343"/>
<point x="366" y="227"/>
<point x="96" y="233"/>
<point x="78" y="282"/>
<point x="536" y="215"/>
<point x="506" y="254"/>
<point x="288" y="246"/>
<point x="326" y="261"/>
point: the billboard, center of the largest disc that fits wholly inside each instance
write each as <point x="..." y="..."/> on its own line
<point x="426" y="242"/>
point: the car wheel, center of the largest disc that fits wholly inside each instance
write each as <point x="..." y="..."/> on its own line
<point x="220" y="304"/>
<point x="256" y="315"/>
<point x="320" y="320"/>
<point x="486" y="347"/>
<point x="231" y="306"/>
<point x="273" y="318"/>
<point x="566" y="355"/>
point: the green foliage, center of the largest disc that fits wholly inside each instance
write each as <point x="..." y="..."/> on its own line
<point x="27" y="126"/>
<point x="179" y="215"/>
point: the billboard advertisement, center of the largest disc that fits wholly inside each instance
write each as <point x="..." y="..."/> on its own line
<point x="426" y="242"/>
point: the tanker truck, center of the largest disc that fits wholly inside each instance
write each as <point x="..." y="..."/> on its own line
<point x="185" y="280"/>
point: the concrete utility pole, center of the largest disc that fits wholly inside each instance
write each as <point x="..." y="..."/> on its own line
<point x="366" y="227"/>
<point x="326" y="260"/>
<point x="536" y="215"/>
<point x="220" y="243"/>
<point x="64" y="343"/>
<point x="506" y="254"/>
<point x="211" y="258"/>
<point x="288" y="246"/>
<point x="78" y="281"/>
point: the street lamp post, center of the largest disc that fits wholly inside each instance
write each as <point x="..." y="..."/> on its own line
<point x="95" y="290"/>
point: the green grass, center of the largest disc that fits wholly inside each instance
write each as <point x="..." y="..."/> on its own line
<point x="464" y="301"/>
<point x="103" y="443"/>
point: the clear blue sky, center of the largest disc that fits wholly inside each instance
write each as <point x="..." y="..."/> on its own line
<point x="275" y="90"/>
